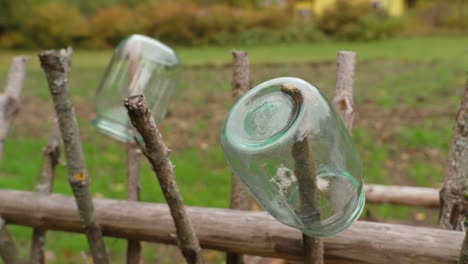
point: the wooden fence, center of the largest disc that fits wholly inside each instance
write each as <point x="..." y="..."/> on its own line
<point x="234" y="231"/>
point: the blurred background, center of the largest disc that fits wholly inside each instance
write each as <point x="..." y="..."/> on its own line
<point x="412" y="59"/>
<point x="102" y="24"/>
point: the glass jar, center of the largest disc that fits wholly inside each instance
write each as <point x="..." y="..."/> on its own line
<point x="290" y="148"/>
<point x="139" y="65"/>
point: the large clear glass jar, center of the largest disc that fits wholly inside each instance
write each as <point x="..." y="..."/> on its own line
<point x="290" y="148"/>
<point x="139" y="65"/>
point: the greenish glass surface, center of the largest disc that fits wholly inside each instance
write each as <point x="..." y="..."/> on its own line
<point x="139" y="65"/>
<point x="258" y="137"/>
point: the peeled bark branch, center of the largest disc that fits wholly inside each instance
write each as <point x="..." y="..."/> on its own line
<point x="133" y="194"/>
<point x="343" y="99"/>
<point x="246" y="232"/>
<point x="452" y="212"/>
<point x="402" y="195"/>
<point x="240" y="74"/>
<point x="10" y="99"/>
<point x="240" y="85"/>
<point x="51" y="160"/>
<point x="56" y="65"/>
<point x="158" y="155"/>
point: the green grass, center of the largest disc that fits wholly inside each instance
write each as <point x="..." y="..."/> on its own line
<point x="407" y="92"/>
<point x="406" y="49"/>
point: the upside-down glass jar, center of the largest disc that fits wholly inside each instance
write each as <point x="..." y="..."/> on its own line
<point x="139" y="65"/>
<point x="289" y="147"/>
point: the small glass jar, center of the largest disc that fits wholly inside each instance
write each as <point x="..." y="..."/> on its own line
<point x="290" y="148"/>
<point x="139" y="65"/>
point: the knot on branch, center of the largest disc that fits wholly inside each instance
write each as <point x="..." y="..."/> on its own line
<point x="53" y="60"/>
<point x="344" y="103"/>
<point x="135" y="102"/>
<point x="80" y="178"/>
<point x="11" y="107"/>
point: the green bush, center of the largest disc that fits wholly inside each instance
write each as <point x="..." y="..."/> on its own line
<point x="220" y="22"/>
<point x="110" y="25"/>
<point x="51" y="26"/>
<point x="361" y="21"/>
<point x="429" y="17"/>
<point x="14" y="40"/>
<point x="173" y="22"/>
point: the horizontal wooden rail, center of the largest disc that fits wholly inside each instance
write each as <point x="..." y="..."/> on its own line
<point x="402" y="195"/>
<point x="244" y="232"/>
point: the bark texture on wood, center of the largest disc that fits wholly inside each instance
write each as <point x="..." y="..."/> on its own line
<point x="305" y="173"/>
<point x="402" y="195"/>
<point x="8" y="251"/>
<point x="464" y="251"/>
<point x="244" y="232"/>
<point x="10" y="99"/>
<point x="56" y="65"/>
<point x="51" y="160"/>
<point x="133" y="151"/>
<point x="304" y="169"/>
<point x="240" y="85"/>
<point x="343" y="100"/>
<point x="452" y="212"/>
<point x="133" y="194"/>
<point x="158" y="155"/>
<point x="240" y="74"/>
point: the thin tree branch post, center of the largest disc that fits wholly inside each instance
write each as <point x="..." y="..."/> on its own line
<point x="51" y="159"/>
<point x="305" y="172"/>
<point x="343" y="100"/>
<point x="133" y="150"/>
<point x="56" y="65"/>
<point x="240" y="85"/>
<point x="452" y="211"/>
<point x="454" y="193"/>
<point x="463" y="259"/>
<point x="10" y="99"/>
<point x="304" y="169"/>
<point x="133" y="194"/>
<point x="8" y="251"/>
<point x="158" y="155"/>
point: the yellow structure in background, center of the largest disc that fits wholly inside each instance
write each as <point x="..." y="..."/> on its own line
<point x="318" y="7"/>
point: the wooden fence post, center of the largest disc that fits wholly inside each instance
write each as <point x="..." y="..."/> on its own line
<point x="304" y="169"/>
<point x="51" y="159"/>
<point x="453" y="199"/>
<point x="10" y="99"/>
<point x="8" y="251"/>
<point x="158" y="155"/>
<point x="343" y="100"/>
<point x="133" y="194"/>
<point x="452" y="212"/>
<point x="56" y="65"/>
<point x="240" y="85"/>
<point x="133" y="150"/>
<point x="9" y="108"/>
